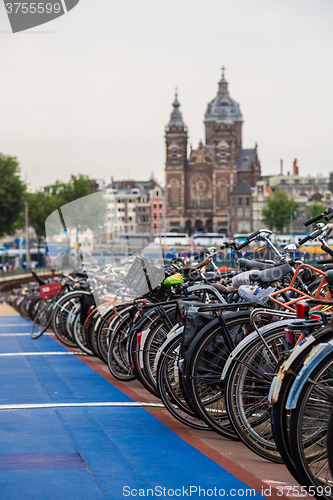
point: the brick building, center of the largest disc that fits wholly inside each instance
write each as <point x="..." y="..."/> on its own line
<point x="199" y="185"/>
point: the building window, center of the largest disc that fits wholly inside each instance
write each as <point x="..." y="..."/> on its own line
<point x="247" y="201"/>
<point x="247" y="213"/>
<point x="160" y="205"/>
<point x="174" y="153"/>
<point x="239" y="201"/>
<point x="223" y="155"/>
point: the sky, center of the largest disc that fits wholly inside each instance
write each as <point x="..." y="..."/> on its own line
<point x="92" y="91"/>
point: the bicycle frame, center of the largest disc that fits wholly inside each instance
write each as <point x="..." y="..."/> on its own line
<point x="301" y="295"/>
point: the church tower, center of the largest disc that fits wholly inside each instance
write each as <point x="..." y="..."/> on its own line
<point x="223" y="124"/>
<point x="176" y="158"/>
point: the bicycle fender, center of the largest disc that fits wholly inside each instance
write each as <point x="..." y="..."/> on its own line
<point x="278" y="379"/>
<point x="144" y="335"/>
<point x="317" y="354"/>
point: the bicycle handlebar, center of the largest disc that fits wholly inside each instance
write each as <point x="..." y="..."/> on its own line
<point x="311" y="236"/>
<point x="314" y="219"/>
<point x="329" y="216"/>
<point x="316" y="233"/>
<point x="253" y="235"/>
<point x="304" y="240"/>
<point x="242" y="245"/>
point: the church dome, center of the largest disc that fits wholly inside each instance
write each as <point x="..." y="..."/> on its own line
<point x="223" y="108"/>
<point x="176" y="117"/>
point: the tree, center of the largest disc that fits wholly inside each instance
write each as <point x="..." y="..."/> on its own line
<point x="12" y="192"/>
<point x="40" y="205"/>
<point x="76" y="188"/>
<point x="278" y="210"/>
<point x="80" y="209"/>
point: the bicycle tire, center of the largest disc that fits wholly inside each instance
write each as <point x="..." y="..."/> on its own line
<point x="42" y="320"/>
<point x="59" y="318"/>
<point x="247" y="390"/>
<point x="329" y="442"/>
<point x="279" y="414"/>
<point x="170" y="389"/>
<point x="202" y="382"/>
<point x="302" y="417"/>
<point x="118" y="359"/>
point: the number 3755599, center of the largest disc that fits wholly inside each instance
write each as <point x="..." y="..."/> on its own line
<point x="33" y="8"/>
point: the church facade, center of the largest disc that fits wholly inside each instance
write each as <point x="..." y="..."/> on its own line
<point x="200" y="186"/>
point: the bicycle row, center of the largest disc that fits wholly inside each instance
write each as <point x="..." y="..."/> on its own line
<point x="246" y="353"/>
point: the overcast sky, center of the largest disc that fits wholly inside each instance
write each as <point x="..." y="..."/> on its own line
<point x="91" y="92"/>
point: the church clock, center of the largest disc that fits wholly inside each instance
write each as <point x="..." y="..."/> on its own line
<point x="201" y="185"/>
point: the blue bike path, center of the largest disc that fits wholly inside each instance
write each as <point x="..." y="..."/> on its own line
<point x="88" y="452"/>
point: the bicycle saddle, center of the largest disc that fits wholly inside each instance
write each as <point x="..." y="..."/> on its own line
<point x="268" y="276"/>
<point x="248" y="264"/>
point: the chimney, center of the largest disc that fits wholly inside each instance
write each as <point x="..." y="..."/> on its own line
<point x="295" y="167"/>
<point x="281" y="167"/>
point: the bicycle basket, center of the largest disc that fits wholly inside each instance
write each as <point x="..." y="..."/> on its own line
<point x="143" y="276"/>
<point x="50" y="290"/>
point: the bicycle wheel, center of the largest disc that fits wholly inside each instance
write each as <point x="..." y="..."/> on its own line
<point x="33" y="307"/>
<point x="62" y="315"/>
<point x="308" y="429"/>
<point x="280" y="415"/>
<point x="204" y="365"/>
<point x="136" y="349"/>
<point x="329" y="443"/>
<point x="147" y="353"/>
<point x="103" y="333"/>
<point x="79" y="337"/>
<point x="247" y="390"/>
<point x="118" y="356"/>
<point x="42" y="319"/>
<point x="170" y="387"/>
<point x="24" y="307"/>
